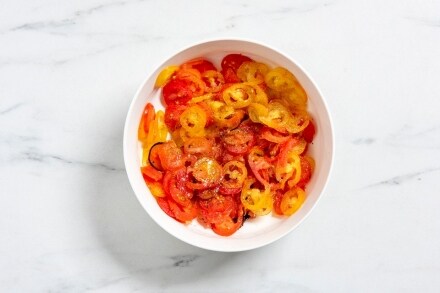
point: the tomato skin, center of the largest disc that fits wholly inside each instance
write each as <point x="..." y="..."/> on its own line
<point x="154" y="158"/>
<point x="309" y="132"/>
<point x="176" y="187"/>
<point x="239" y="141"/>
<point x="201" y="65"/>
<point x="234" y="61"/>
<point x="172" y="116"/>
<point x="171" y="157"/>
<point x="183" y="214"/>
<point x="273" y="135"/>
<point x="229" y="191"/>
<point x="164" y="205"/>
<point x="306" y="173"/>
<point x="177" y="92"/>
<point x="147" y="117"/>
<point x="151" y="173"/>
<point x="229" y="226"/>
<point x="230" y="76"/>
<point x="277" y="197"/>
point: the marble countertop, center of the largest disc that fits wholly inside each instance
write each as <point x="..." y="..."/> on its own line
<point x="69" y="219"/>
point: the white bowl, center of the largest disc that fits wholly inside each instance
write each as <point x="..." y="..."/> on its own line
<point x="257" y="232"/>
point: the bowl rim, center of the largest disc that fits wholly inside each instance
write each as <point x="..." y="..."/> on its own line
<point x="331" y="135"/>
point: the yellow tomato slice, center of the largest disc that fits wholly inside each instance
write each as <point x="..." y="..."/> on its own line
<point x="292" y="200"/>
<point x="239" y="95"/>
<point x="290" y="168"/>
<point x="257" y="201"/>
<point x="280" y="79"/>
<point x="193" y="119"/>
<point x="165" y="75"/>
<point x="277" y="117"/>
<point x="256" y="111"/>
<point x="252" y="71"/>
<point x="156" y="189"/>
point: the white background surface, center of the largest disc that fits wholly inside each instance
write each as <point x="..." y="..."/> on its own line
<point x="69" y="220"/>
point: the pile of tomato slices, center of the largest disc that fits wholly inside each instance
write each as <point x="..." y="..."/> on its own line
<point x="230" y="145"/>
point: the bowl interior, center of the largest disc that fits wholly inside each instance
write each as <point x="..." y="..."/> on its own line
<point x="262" y="230"/>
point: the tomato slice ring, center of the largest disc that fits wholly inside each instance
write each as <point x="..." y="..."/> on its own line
<point x="234" y="61"/>
<point x="239" y="141"/>
<point x="239" y="95"/>
<point x="170" y="156"/>
<point x="177" y="92"/>
<point x="292" y="200"/>
<point x="207" y="172"/>
<point x="198" y="145"/>
<point x="214" y="81"/>
<point x="165" y="75"/>
<point x="234" y="174"/>
<point x="257" y="201"/>
<point x="228" y="225"/>
<point x="273" y="135"/>
<point x="199" y="64"/>
<point x="259" y="165"/>
<point x="250" y="71"/>
<point x="193" y="119"/>
<point x="280" y="79"/>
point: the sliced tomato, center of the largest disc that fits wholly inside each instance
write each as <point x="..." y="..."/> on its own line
<point x="234" y="61"/>
<point x="230" y="76"/>
<point x="164" y="205"/>
<point x="215" y="209"/>
<point x="259" y="166"/>
<point x="198" y="145"/>
<point x="172" y="116"/>
<point x="229" y="225"/>
<point x="171" y="157"/>
<point x="213" y="80"/>
<point x="309" y="132"/>
<point x="229" y="191"/>
<point x="206" y="173"/>
<point x="306" y="172"/>
<point x="183" y="213"/>
<point x="273" y="135"/>
<point x="239" y="141"/>
<point x="200" y="64"/>
<point x="277" y="197"/>
<point x="154" y="158"/>
<point x="176" y="187"/>
<point x="147" y="117"/>
<point x="151" y="173"/>
<point x="177" y="92"/>
<point x="234" y="174"/>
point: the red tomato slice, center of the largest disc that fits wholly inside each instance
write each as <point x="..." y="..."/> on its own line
<point x="176" y="186"/>
<point x="234" y="61"/>
<point x="239" y="141"/>
<point x="172" y="116"/>
<point x="229" y="191"/>
<point x="259" y="166"/>
<point x="183" y="214"/>
<point x="151" y="173"/>
<point x="228" y="225"/>
<point x="309" y="132"/>
<point x="306" y="172"/>
<point x="272" y="135"/>
<point x="177" y="92"/>
<point x="230" y="76"/>
<point x="278" y="196"/>
<point x="163" y="204"/>
<point x="171" y="157"/>
<point x="201" y="65"/>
